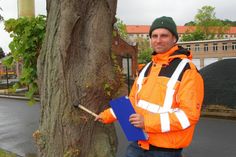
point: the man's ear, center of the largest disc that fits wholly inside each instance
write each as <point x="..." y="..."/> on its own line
<point x="174" y="40"/>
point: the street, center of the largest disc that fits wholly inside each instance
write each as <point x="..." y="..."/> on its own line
<point x="213" y="137"/>
<point x="17" y="123"/>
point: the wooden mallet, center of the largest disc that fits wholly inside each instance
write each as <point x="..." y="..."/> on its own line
<point x="87" y="110"/>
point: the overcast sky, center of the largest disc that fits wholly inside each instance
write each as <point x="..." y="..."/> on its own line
<point x="136" y="12"/>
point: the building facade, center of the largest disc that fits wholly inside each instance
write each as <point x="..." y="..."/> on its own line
<point x="204" y="52"/>
<point x="209" y="51"/>
<point x="142" y="31"/>
<point x="126" y="55"/>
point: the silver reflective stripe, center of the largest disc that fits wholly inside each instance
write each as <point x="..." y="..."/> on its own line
<point x="164" y="114"/>
<point x="168" y="98"/>
<point x="183" y="119"/>
<point x="112" y="112"/>
<point x="165" y="122"/>
<point x="148" y="106"/>
<point x="154" y="108"/>
<point x="166" y="109"/>
<point x="141" y="76"/>
<point x="171" y="84"/>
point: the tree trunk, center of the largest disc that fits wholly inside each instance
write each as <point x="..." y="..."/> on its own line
<point x="74" y="66"/>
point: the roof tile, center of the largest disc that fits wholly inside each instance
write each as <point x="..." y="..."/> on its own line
<point x="144" y="29"/>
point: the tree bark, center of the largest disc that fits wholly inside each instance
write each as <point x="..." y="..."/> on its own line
<point x="73" y="67"/>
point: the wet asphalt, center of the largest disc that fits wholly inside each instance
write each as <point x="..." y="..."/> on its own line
<point x="212" y="138"/>
<point x="18" y="121"/>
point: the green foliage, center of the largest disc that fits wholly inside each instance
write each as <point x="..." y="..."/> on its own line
<point x="6" y="154"/>
<point x="143" y="43"/>
<point x="72" y="152"/>
<point x="205" y="15"/>
<point x="28" y="34"/>
<point x="229" y="22"/>
<point x="144" y="50"/>
<point x="107" y="88"/>
<point x="121" y="27"/>
<point x="191" y="23"/>
<point x="196" y="35"/>
<point x="209" y="10"/>
<point x="117" y="68"/>
<point x="207" y="25"/>
<point x="207" y="22"/>
<point x="145" y="56"/>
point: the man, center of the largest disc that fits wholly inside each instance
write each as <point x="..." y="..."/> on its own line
<point x="167" y="96"/>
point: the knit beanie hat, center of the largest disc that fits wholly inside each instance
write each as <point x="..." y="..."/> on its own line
<point x="164" y="22"/>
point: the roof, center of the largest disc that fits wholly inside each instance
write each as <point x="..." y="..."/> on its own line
<point x="207" y="41"/>
<point x="137" y="29"/>
<point x="232" y="30"/>
<point x="183" y="29"/>
<point x="144" y="29"/>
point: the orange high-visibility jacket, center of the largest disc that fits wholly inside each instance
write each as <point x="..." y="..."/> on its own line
<point x="168" y="93"/>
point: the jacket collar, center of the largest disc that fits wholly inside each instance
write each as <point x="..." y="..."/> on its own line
<point x="175" y="52"/>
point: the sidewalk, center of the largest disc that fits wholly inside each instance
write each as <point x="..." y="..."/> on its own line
<point x="6" y="93"/>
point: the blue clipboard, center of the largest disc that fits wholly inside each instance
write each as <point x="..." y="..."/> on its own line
<point x="123" y="108"/>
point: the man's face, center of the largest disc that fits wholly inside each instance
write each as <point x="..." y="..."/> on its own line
<point x="162" y="40"/>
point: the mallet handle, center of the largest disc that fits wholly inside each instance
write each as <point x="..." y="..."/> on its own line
<point x="87" y="110"/>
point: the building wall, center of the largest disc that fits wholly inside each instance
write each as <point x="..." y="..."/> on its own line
<point x="208" y="51"/>
<point x="204" y="52"/>
<point x="124" y="52"/>
<point x="142" y="31"/>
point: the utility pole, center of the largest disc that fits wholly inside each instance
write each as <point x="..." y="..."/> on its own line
<point x="7" y="77"/>
<point x="128" y="74"/>
<point x="26" y="8"/>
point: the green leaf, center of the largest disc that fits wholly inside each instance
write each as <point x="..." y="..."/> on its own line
<point x="7" y="61"/>
<point x="28" y="35"/>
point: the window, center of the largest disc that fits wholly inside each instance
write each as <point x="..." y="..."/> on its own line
<point x="188" y="47"/>
<point x="127" y="65"/>
<point x="197" y="47"/>
<point x="205" y="47"/>
<point x="224" y="47"/>
<point x="233" y="45"/>
<point x="215" y="47"/>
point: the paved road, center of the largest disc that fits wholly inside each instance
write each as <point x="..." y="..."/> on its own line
<point x="17" y="123"/>
<point x="213" y="137"/>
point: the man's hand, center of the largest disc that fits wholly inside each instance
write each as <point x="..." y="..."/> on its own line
<point x="98" y="118"/>
<point x="137" y="120"/>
